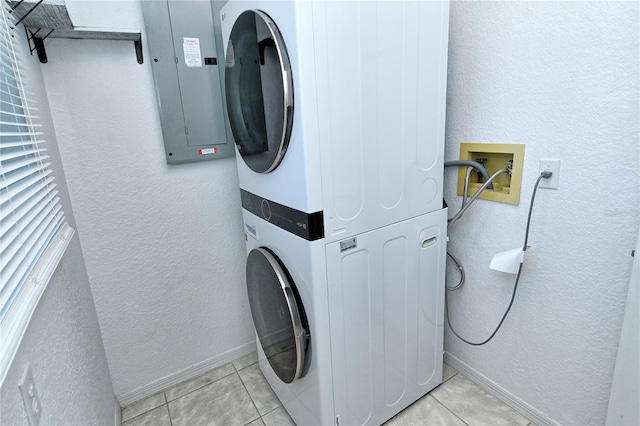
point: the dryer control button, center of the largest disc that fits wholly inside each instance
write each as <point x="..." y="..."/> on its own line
<point x="265" y="207"/>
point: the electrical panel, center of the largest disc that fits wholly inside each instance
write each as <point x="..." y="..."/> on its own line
<point x="187" y="59"/>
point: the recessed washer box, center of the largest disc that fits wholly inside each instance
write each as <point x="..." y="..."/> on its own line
<point x="494" y="156"/>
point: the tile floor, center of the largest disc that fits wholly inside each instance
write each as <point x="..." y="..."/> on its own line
<point x="238" y="394"/>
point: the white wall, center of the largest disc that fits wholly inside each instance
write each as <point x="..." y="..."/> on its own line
<point x="625" y="391"/>
<point x="562" y="78"/>
<point x="62" y="343"/>
<point x="163" y="244"/>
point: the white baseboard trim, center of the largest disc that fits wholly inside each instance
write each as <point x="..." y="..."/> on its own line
<point x="188" y="373"/>
<point x="118" y="413"/>
<point x="527" y="410"/>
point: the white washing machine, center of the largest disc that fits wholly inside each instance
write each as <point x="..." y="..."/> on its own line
<point x="286" y="283"/>
<point x="338" y="107"/>
<point x="349" y="332"/>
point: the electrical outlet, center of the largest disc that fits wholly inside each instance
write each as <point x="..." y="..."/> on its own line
<point x="554" y="166"/>
<point x="30" y="398"/>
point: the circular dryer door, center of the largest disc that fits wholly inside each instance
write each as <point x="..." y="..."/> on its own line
<point x="277" y="314"/>
<point x="259" y="91"/>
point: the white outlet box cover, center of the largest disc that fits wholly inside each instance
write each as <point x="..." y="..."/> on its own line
<point x="552" y="164"/>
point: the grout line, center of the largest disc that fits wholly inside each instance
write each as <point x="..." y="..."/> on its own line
<point x="169" y="410"/>
<point x="447" y="408"/>
<point x="138" y="415"/>
<point x="167" y="404"/>
<point x="445" y="381"/>
<point x="201" y="387"/>
<point x="250" y="397"/>
<point x="142" y="414"/>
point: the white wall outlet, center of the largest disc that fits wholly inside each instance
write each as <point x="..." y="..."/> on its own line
<point x="552" y="164"/>
<point x="30" y="396"/>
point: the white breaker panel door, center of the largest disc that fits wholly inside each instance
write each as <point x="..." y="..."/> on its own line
<point x="386" y="305"/>
<point x="381" y="87"/>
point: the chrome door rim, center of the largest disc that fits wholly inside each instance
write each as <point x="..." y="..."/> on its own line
<point x="287" y="92"/>
<point x="299" y="332"/>
<point x="287" y="87"/>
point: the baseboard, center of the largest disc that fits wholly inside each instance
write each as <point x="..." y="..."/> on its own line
<point x="188" y="373"/>
<point x="527" y="410"/>
<point x="118" y="413"/>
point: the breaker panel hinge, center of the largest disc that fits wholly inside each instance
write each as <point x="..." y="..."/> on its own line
<point x="337" y="420"/>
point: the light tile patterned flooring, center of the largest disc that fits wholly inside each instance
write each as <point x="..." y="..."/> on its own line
<point x="238" y="394"/>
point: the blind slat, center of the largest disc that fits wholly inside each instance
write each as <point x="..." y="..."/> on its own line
<point x="22" y="219"/>
<point x="4" y="145"/>
<point x="30" y="250"/>
<point x="16" y="177"/>
<point x="14" y="123"/>
<point x="24" y="107"/>
<point x="25" y="192"/>
<point x="20" y="153"/>
<point x="24" y="98"/>
<point x="19" y="248"/>
<point x="15" y="114"/>
<point x="20" y="134"/>
<point x="7" y="169"/>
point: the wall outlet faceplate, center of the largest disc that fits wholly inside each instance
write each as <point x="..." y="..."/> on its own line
<point x="552" y="164"/>
<point x="29" y="394"/>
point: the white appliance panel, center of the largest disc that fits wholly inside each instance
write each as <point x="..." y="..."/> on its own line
<point x="385" y="301"/>
<point x="296" y="181"/>
<point x="381" y="84"/>
<point x="308" y="400"/>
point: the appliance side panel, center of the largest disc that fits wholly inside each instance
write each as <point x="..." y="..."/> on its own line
<point x="432" y="84"/>
<point x="430" y="330"/>
<point x="381" y="111"/>
<point x="340" y="97"/>
<point x="392" y="66"/>
<point x="395" y="302"/>
<point x="386" y="295"/>
<point x="351" y="333"/>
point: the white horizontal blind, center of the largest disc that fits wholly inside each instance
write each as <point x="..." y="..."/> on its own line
<point x="30" y="213"/>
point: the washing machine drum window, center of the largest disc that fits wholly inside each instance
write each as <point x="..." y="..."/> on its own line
<point x="259" y="91"/>
<point x="277" y="314"/>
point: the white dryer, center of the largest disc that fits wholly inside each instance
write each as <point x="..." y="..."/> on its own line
<point x="349" y="332"/>
<point x="338" y="107"/>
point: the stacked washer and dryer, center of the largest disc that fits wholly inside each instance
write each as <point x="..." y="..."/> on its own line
<point x="338" y="112"/>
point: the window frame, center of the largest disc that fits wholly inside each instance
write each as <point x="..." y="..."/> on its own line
<point x="34" y="233"/>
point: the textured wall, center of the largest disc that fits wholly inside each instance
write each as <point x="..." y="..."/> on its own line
<point x="63" y="342"/>
<point x="562" y="78"/>
<point x="163" y="244"/>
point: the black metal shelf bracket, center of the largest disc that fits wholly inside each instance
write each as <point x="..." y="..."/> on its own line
<point x="55" y="19"/>
<point x="26" y="14"/>
<point x="38" y="42"/>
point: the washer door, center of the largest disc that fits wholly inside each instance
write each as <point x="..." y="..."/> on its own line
<point x="259" y="91"/>
<point x="277" y="314"/>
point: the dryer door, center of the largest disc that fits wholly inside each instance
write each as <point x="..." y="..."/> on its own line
<point x="259" y="91"/>
<point x="277" y="314"/>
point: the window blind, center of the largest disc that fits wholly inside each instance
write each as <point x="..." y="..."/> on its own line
<point x="33" y="231"/>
